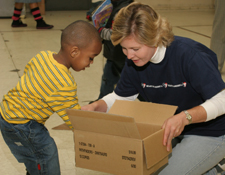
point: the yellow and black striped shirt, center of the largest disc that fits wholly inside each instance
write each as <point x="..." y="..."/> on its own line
<point x="45" y="87"/>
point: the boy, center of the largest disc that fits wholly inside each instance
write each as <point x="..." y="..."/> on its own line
<point x="114" y="54"/>
<point x="46" y="86"/>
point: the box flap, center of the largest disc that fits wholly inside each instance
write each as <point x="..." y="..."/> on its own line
<point x="143" y="112"/>
<point x="103" y="123"/>
<point x="154" y="149"/>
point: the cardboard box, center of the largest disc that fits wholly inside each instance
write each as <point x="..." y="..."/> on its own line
<point x="125" y="141"/>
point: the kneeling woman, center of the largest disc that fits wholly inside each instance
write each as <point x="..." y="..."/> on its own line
<point x="173" y="70"/>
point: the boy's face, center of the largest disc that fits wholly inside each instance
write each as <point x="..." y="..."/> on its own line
<point x="85" y="56"/>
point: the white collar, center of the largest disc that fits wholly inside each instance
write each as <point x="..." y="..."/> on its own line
<point x="159" y="55"/>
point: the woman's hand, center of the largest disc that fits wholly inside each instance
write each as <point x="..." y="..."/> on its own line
<point x="89" y="107"/>
<point x="173" y="127"/>
<point x="99" y="105"/>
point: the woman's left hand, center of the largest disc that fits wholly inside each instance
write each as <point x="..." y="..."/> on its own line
<point x="173" y="127"/>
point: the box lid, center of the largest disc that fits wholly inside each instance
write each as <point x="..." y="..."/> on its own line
<point x="103" y="123"/>
<point x="143" y="112"/>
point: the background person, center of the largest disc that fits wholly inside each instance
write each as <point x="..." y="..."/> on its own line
<point x="115" y="58"/>
<point x="218" y="33"/>
<point x="35" y="12"/>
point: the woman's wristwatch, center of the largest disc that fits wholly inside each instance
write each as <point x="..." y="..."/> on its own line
<point x="188" y="117"/>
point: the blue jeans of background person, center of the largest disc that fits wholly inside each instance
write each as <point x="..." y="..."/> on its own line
<point x="110" y="78"/>
<point x="32" y="145"/>
<point x="195" y="155"/>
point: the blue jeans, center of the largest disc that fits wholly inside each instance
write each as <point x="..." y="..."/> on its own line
<point x="110" y="78"/>
<point x="195" y="155"/>
<point x="32" y="145"/>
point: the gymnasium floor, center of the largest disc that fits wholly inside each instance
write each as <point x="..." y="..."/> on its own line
<point x="19" y="45"/>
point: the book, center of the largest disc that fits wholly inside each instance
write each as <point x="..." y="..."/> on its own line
<point x="102" y="13"/>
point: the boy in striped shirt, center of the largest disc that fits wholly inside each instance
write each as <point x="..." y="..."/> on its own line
<point x="47" y="86"/>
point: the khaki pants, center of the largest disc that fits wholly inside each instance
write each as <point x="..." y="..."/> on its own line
<point x="218" y="33"/>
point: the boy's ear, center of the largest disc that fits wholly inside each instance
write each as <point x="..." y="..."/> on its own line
<point x="74" y="51"/>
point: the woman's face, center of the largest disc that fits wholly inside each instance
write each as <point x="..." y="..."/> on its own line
<point x="140" y="54"/>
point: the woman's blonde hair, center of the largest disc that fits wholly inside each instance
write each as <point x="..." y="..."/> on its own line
<point x="144" y="23"/>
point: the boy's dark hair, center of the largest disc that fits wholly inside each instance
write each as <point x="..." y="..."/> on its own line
<point x="79" y="33"/>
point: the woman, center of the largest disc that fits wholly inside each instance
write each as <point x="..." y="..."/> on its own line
<point x="167" y="69"/>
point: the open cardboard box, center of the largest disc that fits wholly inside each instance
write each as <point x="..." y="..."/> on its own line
<point x="125" y="141"/>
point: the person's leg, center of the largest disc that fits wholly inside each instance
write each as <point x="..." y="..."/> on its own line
<point x="219" y="168"/>
<point x="109" y="79"/>
<point x="46" y="151"/>
<point x="195" y="155"/>
<point x="218" y="35"/>
<point x="38" y="18"/>
<point x="16" y="16"/>
<point x="32" y="145"/>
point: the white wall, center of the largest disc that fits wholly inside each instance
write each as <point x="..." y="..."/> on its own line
<point x="179" y="4"/>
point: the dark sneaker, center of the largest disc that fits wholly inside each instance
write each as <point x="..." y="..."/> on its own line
<point x="18" y="23"/>
<point x="42" y="25"/>
<point x="220" y="167"/>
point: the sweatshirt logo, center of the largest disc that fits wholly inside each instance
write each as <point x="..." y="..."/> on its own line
<point x="143" y="85"/>
<point x="164" y="85"/>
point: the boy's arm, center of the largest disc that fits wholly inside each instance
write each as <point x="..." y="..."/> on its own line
<point x="65" y="98"/>
<point x="105" y="33"/>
